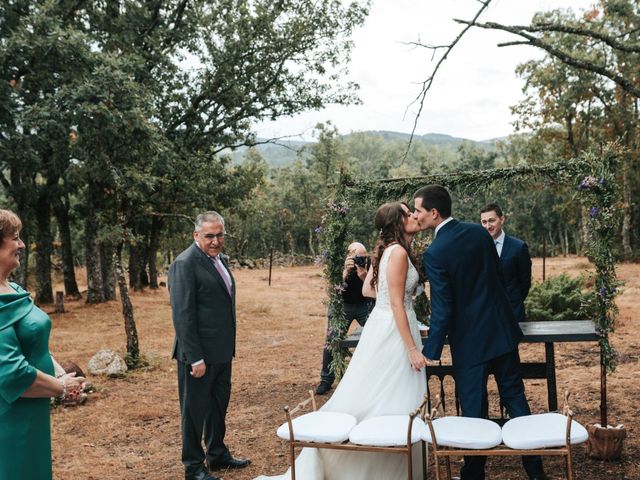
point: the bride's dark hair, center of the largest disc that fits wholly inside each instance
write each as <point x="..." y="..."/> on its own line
<point x="389" y="222"/>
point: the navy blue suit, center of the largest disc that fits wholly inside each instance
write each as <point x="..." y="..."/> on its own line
<point x="515" y="263"/>
<point x="468" y="300"/>
<point x="469" y="304"/>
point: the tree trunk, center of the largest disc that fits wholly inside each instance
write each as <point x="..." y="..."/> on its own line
<point x="312" y="250"/>
<point x="95" y="292"/>
<point x="627" y="251"/>
<point x="154" y="246"/>
<point x="61" y="209"/>
<point x="133" y="348"/>
<point x="23" y="198"/>
<point x="144" y="278"/>
<point x="552" y="244"/>
<point x="570" y="138"/>
<point x="107" y="268"/>
<point x="44" y="288"/>
<point x="134" y="267"/>
<point x="20" y="275"/>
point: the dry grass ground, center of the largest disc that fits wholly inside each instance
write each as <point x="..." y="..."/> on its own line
<point x="129" y="428"/>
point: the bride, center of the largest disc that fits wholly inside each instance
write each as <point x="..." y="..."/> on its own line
<point x="385" y="375"/>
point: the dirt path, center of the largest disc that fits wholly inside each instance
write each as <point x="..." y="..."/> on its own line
<point x="129" y="429"/>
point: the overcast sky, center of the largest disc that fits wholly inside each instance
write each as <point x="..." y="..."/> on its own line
<point x="473" y="90"/>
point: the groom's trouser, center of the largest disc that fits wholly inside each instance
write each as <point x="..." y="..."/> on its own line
<point x="203" y="407"/>
<point x="471" y="386"/>
<point x="352" y="311"/>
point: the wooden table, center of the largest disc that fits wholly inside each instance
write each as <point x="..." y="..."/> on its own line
<point x="534" y="332"/>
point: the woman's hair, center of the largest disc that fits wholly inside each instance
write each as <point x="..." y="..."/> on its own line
<point x="10" y="224"/>
<point x="389" y="222"/>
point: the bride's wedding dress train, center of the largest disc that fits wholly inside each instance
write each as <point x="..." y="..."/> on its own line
<point x="378" y="381"/>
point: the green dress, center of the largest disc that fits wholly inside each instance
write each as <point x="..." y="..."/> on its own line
<point x="25" y="431"/>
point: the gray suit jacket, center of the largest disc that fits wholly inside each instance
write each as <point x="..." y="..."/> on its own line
<point x="204" y="314"/>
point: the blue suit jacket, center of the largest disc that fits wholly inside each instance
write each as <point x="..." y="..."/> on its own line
<point x="515" y="263"/>
<point x="468" y="300"/>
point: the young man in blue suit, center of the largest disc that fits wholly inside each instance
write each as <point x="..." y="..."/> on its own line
<point x="470" y="306"/>
<point x="515" y="261"/>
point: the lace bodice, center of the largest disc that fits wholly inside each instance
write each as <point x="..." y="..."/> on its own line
<point x="382" y="298"/>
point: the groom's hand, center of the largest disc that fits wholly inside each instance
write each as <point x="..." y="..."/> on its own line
<point x="432" y="363"/>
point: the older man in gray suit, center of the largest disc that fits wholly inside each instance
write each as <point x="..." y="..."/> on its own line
<point x="202" y="293"/>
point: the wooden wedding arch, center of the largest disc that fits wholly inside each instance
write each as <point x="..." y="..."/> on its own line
<point x="593" y="175"/>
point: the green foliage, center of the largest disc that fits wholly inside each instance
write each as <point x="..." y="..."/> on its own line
<point x="422" y="307"/>
<point x="155" y="92"/>
<point x="600" y="196"/>
<point x="559" y="298"/>
<point x="335" y="237"/>
<point x="571" y="102"/>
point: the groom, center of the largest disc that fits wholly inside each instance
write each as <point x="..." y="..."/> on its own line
<point x="470" y="306"/>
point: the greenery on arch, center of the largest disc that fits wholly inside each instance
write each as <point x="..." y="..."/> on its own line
<point x="592" y="174"/>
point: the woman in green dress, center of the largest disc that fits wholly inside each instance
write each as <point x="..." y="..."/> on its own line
<point x="27" y="379"/>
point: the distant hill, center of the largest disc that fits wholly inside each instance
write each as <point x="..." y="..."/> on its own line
<point x="275" y="154"/>
<point x="439" y="139"/>
<point x="286" y="151"/>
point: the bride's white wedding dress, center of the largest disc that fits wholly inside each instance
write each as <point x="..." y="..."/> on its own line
<point x="378" y="381"/>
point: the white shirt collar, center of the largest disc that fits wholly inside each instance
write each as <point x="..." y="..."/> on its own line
<point x="444" y="222"/>
<point x="500" y="238"/>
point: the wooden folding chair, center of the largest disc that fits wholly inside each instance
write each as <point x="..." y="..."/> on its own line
<point x="339" y="431"/>
<point x="546" y="434"/>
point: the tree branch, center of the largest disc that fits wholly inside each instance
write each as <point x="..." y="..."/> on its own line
<point x="585" y="32"/>
<point x="564" y="57"/>
<point x="426" y="85"/>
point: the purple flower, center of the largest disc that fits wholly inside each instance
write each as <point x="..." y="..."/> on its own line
<point x="339" y="287"/>
<point x="588" y="182"/>
<point x="339" y="207"/>
<point x="317" y="230"/>
<point x="606" y="294"/>
<point x="593" y="213"/>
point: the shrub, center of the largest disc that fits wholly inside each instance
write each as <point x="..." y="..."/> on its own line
<point x="560" y="298"/>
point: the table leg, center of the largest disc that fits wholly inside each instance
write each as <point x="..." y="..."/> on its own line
<point x="552" y="394"/>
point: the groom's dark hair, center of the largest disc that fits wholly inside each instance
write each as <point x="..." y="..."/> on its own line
<point x="435" y="196"/>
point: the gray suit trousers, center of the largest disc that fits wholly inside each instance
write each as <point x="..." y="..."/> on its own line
<point x="203" y="407"/>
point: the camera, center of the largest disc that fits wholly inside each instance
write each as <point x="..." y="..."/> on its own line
<point x="361" y="260"/>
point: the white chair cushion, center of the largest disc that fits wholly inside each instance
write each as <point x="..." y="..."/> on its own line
<point x="465" y="432"/>
<point x="544" y="430"/>
<point x="322" y="427"/>
<point x="387" y="431"/>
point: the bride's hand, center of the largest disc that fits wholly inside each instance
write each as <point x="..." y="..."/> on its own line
<point x="417" y="359"/>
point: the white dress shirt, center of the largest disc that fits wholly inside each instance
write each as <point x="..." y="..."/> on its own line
<point x="444" y="222"/>
<point x="500" y="243"/>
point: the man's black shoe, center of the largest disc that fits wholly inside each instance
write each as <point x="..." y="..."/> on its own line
<point x="201" y="475"/>
<point x="231" y="463"/>
<point x="323" y="388"/>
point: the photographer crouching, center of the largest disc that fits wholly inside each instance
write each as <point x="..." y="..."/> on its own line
<point x="356" y="306"/>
